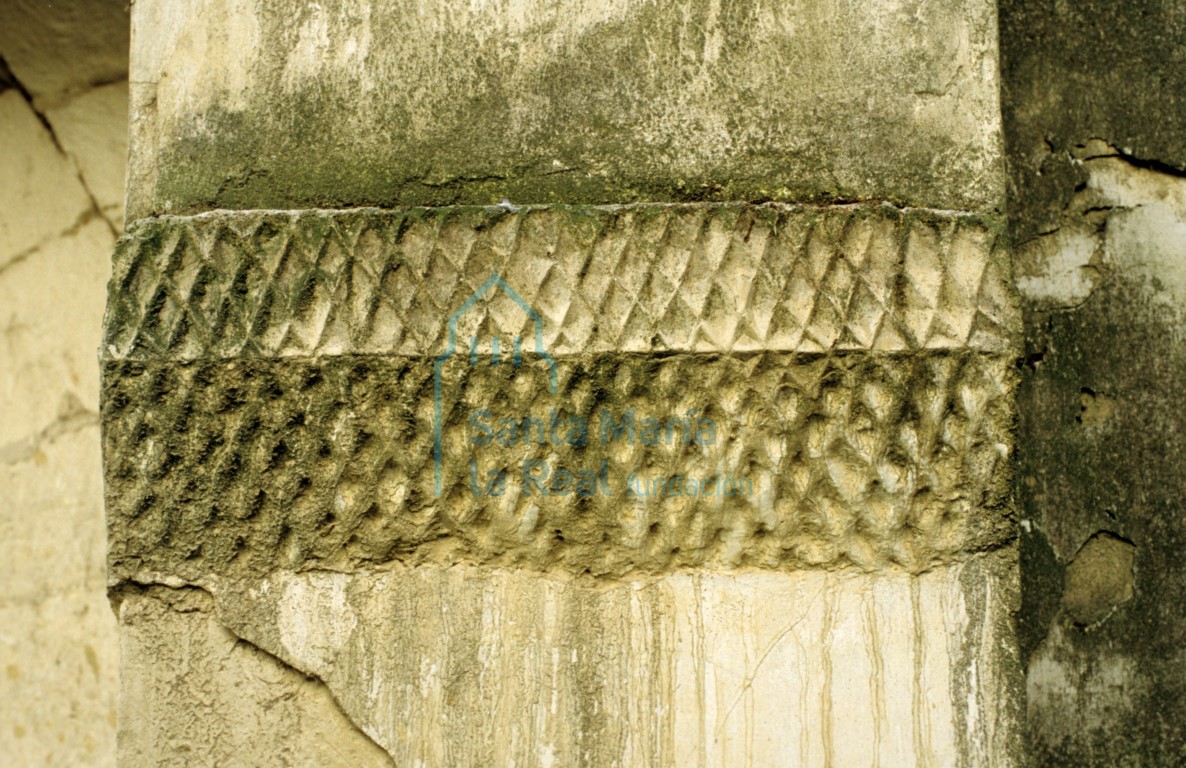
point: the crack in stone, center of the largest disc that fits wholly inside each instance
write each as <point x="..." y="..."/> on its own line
<point x="83" y="219"/>
<point x="1099" y="148"/>
<point x="239" y="639"/>
<point x="147" y="586"/>
<point x="7" y="79"/>
<point x="75" y="419"/>
<point x="6" y="74"/>
<point x="1147" y="164"/>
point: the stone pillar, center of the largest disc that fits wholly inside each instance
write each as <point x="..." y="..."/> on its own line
<point x="563" y="383"/>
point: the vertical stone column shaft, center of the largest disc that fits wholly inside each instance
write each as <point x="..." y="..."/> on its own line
<point x="580" y="383"/>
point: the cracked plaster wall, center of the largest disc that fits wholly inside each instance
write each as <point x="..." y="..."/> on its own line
<point x="63" y="151"/>
<point x="63" y="105"/>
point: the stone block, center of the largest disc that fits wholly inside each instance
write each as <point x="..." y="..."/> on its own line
<point x="193" y="694"/>
<point x="41" y="195"/>
<point x="93" y="130"/>
<point x="263" y="104"/>
<point x="468" y="666"/>
<point x="687" y="386"/>
<point x="289" y="412"/>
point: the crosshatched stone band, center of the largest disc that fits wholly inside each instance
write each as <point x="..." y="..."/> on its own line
<point x="713" y="386"/>
<point x="640" y="278"/>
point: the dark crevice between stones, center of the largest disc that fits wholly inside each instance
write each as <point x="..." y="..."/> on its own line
<point x="7" y="81"/>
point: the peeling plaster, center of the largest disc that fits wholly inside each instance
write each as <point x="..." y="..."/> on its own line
<point x="1121" y="200"/>
<point x="1102" y="448"/>
<point x="131" y="599"/>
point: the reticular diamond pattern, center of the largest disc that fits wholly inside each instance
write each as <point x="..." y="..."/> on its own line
<point x="269" y="393"/>
<point x="657" y="278"/>
<point x="233" y="466"/>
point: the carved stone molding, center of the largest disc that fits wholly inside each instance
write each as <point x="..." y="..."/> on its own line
<point x="644" y="278"/>
<point x="678" y="386"/>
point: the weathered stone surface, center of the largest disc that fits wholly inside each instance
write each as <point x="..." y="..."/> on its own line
<point x="93" y="131"/>
<point x="193" y="694"/>
<point x="1099" y="579"/>
<point x="1074" y="72"/>
<point x="471" y="667"/>
<point x="41" y="196"/>
<point x="784" y="328"/>
<point x="274" y="388"/>
<point x="259" y="104"/>
<point x="242" y="467"/>
<point x="1102" y="447"/>
<point x="716" y="278"/>
<point x="291" y="400"/>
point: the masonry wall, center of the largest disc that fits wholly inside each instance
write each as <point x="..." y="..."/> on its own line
<point x="1095" y="120"/>
<point x="63" y="147"/>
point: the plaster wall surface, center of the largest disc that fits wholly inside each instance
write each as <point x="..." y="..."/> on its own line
<point x="63" y="147"/>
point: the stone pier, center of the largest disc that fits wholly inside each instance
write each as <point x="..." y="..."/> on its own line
<point x="578" y="383"/>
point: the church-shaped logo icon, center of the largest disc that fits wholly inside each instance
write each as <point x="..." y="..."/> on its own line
<point x="494" y="356"/>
